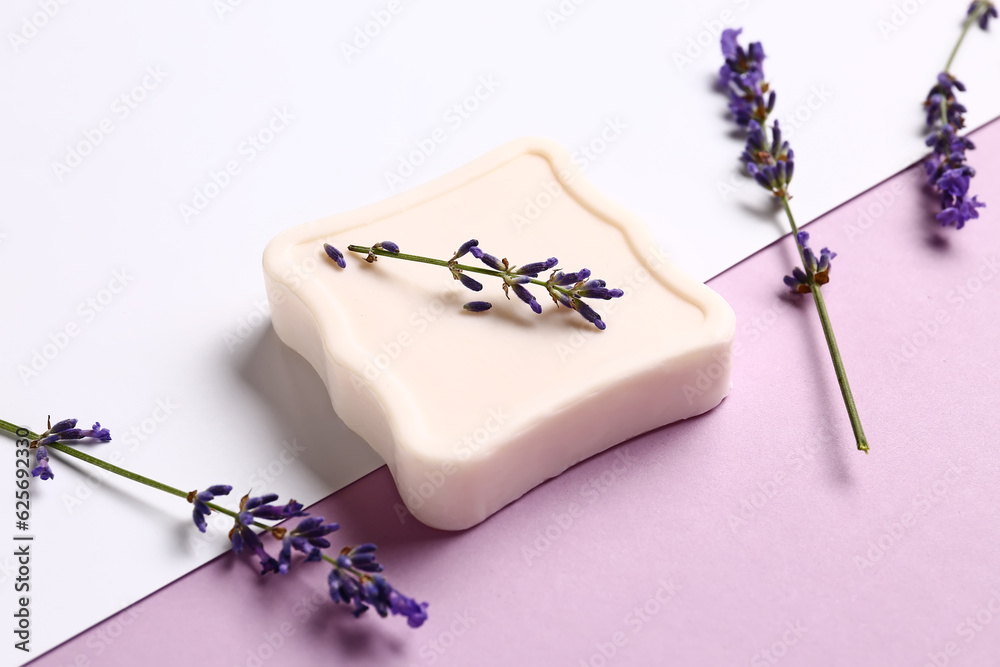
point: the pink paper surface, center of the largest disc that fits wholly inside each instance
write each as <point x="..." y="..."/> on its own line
<point x="754" y="534"/>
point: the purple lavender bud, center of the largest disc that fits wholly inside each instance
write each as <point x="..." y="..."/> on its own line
<point x="522" y="292"/>
<point x="991" y="12"/>
<point x="285" y="555"/>
<point x="798" y="281"/>
<point x="62" y="426"/>
<point x="810" y="258"/>
<point x="388" y="246"/>
<point x="729" y="43"/>
<point x="335" y="255"/>
<point x="470" y="282"/>
<point x="363" y="558"/>
<point x="953" y="182"/>
<point x="201" y="509"/>
<point x="465" y="248"/>
<point x="946" y="81"/>
<point x="535" y="268"/>
<point x="277" y="512"/>
<point x="48" y="440"/>
<point x="478" y="306"/>
<point x="776" y="138"/>
<point x="960" y="213"/>
<point x="589" y="314"/>
<point x="312" y="532"/>
<point x="561" y="299"/>
<point x="825" y="256"/>
<point x="71" y="434"/>
<point x="260" y="500"/>
<point x="563" y="279"/>
<point x="492" y="262"/>
<point x="476" y="252"/>
<point x="42" y="470"/>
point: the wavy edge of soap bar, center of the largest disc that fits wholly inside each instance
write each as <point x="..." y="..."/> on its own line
<point x="382" y="415"/>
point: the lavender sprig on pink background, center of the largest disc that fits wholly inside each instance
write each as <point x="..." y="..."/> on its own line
<point x="947" y="171"/>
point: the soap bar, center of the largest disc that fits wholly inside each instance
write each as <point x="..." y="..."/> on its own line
<point x="470" y="411"/>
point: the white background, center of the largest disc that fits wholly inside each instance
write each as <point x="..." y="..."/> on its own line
<point x="177" y="357"/>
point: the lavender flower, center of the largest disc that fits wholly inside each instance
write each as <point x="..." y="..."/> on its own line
<point x="43" y="470"/>
<point x="743" y="77"/>
<point x="354" y="577"/>
<point x="989" y="10"/>
<point x="98" y="433"/>
<point x="569" y="290"/>
<point x="464" y="249"/>
<point x="335" y="255"/>
<point x="566" y="289"/>
<point x="771" y="165"/>
<point x="200" y="500"/>
<point x="468" y="281"/>
<point x="522" y="293"/>
<point x="563" y="279"/>
<point x="360" y="558"/>
<point x="309" y="537"/>
<point x="62" y="426"/>
<point x="374" y="590"/>
<point x="242" y="535"/>
<point x="388" y="246"/>
<point x="352" y="580"/>
<point x="535" y="268"/>
<point x="819" y="268"/>
<point x="947" y="171"/>
<point x="260" y="507"/>
<point x="63" y="431"/>
<point x="770" y="161"/>
<point x="490" y="261"/>
<point x="478" y="306"/>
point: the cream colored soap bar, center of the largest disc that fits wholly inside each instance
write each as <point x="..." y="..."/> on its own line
<point x="472" y="410"/>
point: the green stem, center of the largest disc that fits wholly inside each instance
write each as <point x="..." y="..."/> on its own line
<point x="831" y="339"/>
<point x="970" y="19"/>
<point x="381" y="252"/>
<point x="128" y="474"/>
<point x="122" y="472"/>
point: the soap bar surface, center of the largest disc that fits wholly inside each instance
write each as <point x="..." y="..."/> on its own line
<point x="472" y="410"/>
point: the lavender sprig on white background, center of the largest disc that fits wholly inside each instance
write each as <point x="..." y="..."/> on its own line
<point x="354" y="577"/>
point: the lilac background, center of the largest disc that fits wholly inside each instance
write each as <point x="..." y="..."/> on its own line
<point x="754" y="528"/>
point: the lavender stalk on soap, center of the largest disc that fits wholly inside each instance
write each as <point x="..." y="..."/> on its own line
<point x="565" y="289"/>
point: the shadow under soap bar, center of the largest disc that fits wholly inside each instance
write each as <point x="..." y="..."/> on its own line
<point x="471" y="411"/>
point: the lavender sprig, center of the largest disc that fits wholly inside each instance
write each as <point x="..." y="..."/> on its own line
<point x="565" y="289"/>
<point x="354" y="578"/>
<point x="771" y="162"/>
<point x="947" y="172"/>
